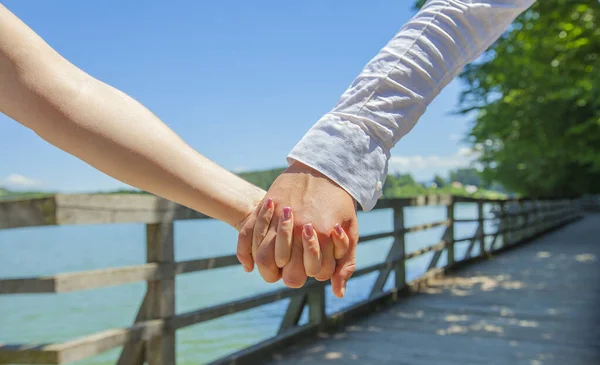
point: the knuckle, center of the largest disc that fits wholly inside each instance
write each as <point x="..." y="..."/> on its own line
<point x="243" y="256"/>
<point x="286" y="230"/>
<point x="327" y="271"/>
<point x="348" y="271"/>
<point x="244" y="236"/>
<point x="258" y="237"/>
<point x="265" y="217"/>
<point x="314" y="250"/>
<point x="263" y="259"/>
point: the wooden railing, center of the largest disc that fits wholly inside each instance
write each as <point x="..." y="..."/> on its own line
<point x="151" y="338"/>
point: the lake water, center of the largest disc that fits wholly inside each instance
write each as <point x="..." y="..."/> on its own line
<point x="44" y="318"/>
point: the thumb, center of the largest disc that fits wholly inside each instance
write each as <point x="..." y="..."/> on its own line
<point x="244" y="245"/>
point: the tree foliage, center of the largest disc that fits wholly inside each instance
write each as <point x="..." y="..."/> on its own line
<point x="466" y="176"/>
<point x="439" y="181"/>
<point x="536" y="98"/>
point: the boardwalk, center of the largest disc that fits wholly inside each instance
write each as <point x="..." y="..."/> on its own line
<point x="538" y="304"/>
<point x="532" y="305"/>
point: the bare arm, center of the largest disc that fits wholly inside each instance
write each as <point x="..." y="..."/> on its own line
<point x="108" y="129"/>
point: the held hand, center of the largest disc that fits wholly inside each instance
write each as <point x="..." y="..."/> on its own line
<point x="315" y="199"/>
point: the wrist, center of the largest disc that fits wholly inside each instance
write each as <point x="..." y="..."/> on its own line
<point x="254" y="197"/>
<point x="301" y="167"/>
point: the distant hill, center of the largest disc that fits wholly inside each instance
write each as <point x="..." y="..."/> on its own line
<point x="6" y="194"/>
<point x="396" y="186"/>
<point x="263" y="179"/>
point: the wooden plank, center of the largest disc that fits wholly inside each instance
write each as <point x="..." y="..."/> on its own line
<point x="28" y="354"/>
<point x="101" y="342"/>
<point x="417" y="201"/>
<point x="292" y="314"/>
<point x="84" y="280"/>
<point x="478" y="237"/>
<point x="63" y="209"/>
<point x="375" y="236"/>
<point x="400" y="241"/>
<point x="437" y="247"/>
<point x="28" y="285"/>
<point x="28" y="213"/>
<point x="126" y="208"/>
<point x="134" y="353"/>
<point x="417" y="228"/>
<point x="206" y="314"/>
<point x="396" y="251"/>
<point x="79" y="348"/>
<point x="316" y="306"/>
<point x="184" y="267"/>
<point x="450" y="234"/>
<point x="436" y="257"/>
<point x="495" y="239"/>
<point x="160" y="248"/>
<point x="256" y="354"/>
<point x="94" y="279"/>
<point x="426" y="226"/>
<point x="481" y="228"/>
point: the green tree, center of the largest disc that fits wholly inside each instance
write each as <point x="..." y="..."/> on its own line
<point x="439" y="181"/>
<point x="466" y="176"/>
<point x="536" y="98"/>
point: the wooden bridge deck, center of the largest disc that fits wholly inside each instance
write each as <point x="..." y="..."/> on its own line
<point x="537" y="304"/>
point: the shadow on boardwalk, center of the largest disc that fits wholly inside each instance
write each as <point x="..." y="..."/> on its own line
<point x="538" y="304"/>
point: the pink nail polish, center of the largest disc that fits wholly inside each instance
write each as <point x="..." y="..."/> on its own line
<point x="269" y="203"/>
<point x="287" y="213"/>
<point x="338" y="229"/>
<point x="308" y="230"/>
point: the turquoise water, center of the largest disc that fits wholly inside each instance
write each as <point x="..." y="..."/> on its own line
<point x="47" y="318"/>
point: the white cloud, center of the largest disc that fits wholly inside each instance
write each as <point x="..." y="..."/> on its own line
<point x="20" y="181"/>
<point x="239" y="169"/>
<point x="424" y="167"/>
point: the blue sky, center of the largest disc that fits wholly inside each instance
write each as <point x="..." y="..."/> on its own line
<point x="240" y="81"/>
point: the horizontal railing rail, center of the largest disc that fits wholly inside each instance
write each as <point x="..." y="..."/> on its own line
<point x="152" y="336"/>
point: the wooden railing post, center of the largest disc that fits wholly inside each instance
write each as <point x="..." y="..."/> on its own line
<point x="396" y="251"/>
<point x="526" y="207"/>
<point x="160" y="350"/>
<point x="521" y="222"/>
<point x="450" y="232"/>
<point x="534" y="217"/>
<point x="316" y="306"/>
<point x="481" y="229"/>
<point x="543" y="206"/>
<point x="503" y="226"/>
<point x="400" y="268"/>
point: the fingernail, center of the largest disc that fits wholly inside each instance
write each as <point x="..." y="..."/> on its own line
<point x="343" y="291"/>
<point x="246" y="268"/>
<point x="287" y="213"/>
<point x="308" y="230"/>
<point x="269" y="203"/>
<point x="338" y="229"/>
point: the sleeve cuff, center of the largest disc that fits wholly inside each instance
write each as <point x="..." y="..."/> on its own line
<point x="346" y="154"/>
